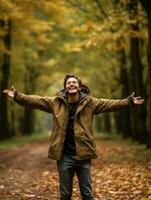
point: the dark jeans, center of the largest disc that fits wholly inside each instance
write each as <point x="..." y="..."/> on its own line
<point x="68" y="166"/>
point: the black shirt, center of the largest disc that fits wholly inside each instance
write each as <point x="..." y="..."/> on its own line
<point x="69" y="143"/>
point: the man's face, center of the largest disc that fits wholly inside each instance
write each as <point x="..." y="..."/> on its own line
<point x="72" y="85"/>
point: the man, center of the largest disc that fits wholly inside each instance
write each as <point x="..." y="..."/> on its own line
<point x="72" y="140"/>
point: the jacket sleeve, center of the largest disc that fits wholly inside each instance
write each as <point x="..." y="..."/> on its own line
<point x="34" y="101"/>
<point x="107" y="105"/>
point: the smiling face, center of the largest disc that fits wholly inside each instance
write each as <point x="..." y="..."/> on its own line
<point x="72" y="86"/>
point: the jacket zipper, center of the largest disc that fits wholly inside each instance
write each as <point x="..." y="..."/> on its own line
<point x="67" y="116"/>
<point x="76" y="120"/>
<point x="66" y="121"/>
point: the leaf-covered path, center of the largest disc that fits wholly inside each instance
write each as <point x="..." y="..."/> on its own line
<point x="121" y="172"/>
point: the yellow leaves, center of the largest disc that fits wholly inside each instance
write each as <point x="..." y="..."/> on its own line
<point x="45" y="173"/>
<point x="149" y="191"/>
<point x="117" y="46"/>
<point x="51" y="62"/>
<point x="55" y="8"/>
<point x="118" y="173"/>
<point x="85" y="28"/>
<point x="38" y="25"/>
<point x="132" y="21"/>
<point x="109" y="30"/>
<point x="73" y="47"/>
<point x="26" y="19"/>
<point x="142" y="33"/>
<point x="96" y="40"/>
<point x="10" y="10"/>
<point x="42" y="40"/>
<point x="88" y="29"/>
<point x="95" y="34"/>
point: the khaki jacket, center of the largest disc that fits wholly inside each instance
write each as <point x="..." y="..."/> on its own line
<point x="87" y="108"/>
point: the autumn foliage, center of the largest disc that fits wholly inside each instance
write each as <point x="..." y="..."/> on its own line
<point x="107" y="43"/>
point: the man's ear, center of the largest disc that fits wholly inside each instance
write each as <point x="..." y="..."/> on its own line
<point x="79" y="88"/>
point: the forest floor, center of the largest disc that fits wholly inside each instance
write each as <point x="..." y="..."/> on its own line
<point x="121" y="172"/>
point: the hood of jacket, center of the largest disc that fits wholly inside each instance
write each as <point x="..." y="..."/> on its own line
<point x="85" y="91"/>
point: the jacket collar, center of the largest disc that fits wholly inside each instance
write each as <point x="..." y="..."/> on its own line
<point x="63" y="95"/>
<point x="84" y="98"/>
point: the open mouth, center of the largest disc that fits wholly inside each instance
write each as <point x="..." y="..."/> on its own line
<point x="72" y="88"/>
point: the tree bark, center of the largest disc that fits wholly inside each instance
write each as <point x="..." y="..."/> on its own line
<point x="125" y="114"/>
<point x="98" y="123"/>
<point x="147" y="6"/>
<point x="122" y="118"/>
<point x="107" y="123"/>
<point x="29" y="115"/>
<point x="149" y="93"/>
<point x="118" y="124"/>
<point x="12" y="128"/>
<point x="6" y="58"/>
<point x="139" y="113"/>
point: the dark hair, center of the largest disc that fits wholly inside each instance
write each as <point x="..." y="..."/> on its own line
<point x="85" y="89"/>
<point x="71" y="76"/>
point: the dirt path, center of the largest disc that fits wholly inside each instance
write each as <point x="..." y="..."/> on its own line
<point x="121" y="172"/>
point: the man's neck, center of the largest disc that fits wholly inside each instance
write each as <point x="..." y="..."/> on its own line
<point x="73" y="98"/>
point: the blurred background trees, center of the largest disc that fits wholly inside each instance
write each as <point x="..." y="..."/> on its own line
<point x="106" y="43"/>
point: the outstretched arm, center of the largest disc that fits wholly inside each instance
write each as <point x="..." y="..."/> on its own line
<point x="108" y="105"/>
<point x="31" y="101"/>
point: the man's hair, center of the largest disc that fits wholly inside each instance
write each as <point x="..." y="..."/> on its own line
<point x="71" y="76"/>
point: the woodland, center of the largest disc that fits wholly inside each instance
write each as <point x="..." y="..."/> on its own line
<point x="106" y="43"/>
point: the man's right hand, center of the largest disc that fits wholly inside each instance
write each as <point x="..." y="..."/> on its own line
<point x="10" y="93"/>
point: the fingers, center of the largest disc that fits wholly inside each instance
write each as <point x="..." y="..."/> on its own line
<point x="142" y="100"/>
<point x="139" y="101"/>
<point x="13" y="88"/>
<point x="138" y="97"/>
<point x="133" y="93"/>
<point x="6" y="91"/>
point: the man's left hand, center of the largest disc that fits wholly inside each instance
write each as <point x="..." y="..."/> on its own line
<point x="137" y="100"/>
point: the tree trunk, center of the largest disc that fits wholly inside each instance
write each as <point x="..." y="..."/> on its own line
<point x="107" y="123"/>
<point x="28" y="121"/>
<point x="98" y="123"/>
<point x="149" y="93"/>
<point x="125" y="114"/>
<point x="147" y="6"/>
<point x="139" y="113"/>
<point x="118" y="124"/>
<point x="29" y="115"/>
<point x="12" y="128"/>
<point x="4" y="123"/>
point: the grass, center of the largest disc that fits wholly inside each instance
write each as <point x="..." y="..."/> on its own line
<point x="21" y="140"/>
<point x="120" y="140"/>
<point x="36" y="137"/>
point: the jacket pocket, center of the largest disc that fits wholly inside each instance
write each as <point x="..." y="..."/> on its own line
<point x="54" y="150"/>
<point x="54" y="135"/>
<point x="87" y="143"/>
